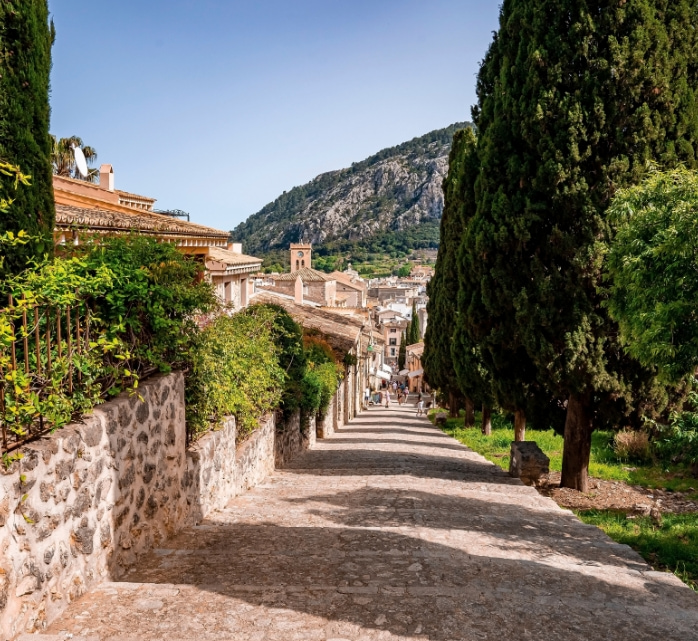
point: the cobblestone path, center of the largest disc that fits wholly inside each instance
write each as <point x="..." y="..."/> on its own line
<point x="388" y="530"/>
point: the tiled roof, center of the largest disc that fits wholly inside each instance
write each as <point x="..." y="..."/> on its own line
<point x="417" y="349"/>
<point x="230" y="258"/>
<point x="127" y="194"/>
<point x="341" y="330"/>
<point x="307" y="276"/>
<point x="349" y="281"/>
<point x="139" y="220"/>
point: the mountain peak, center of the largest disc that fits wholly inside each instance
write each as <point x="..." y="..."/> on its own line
<point x="390" y="191"/>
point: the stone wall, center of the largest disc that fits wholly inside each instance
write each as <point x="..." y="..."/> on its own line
<point x="326" y="425"/>
<point x="292" y="438"/>
<point x="217" y="470"/>
<point x="85" y="501"/>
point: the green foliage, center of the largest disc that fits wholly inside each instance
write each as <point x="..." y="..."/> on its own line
<point x="455" y="371"/>
<point x="140" y="297"/>
<point x="234" y="371"/>
<point x="413" y="333"/>
<point x="404" y="271"/>
<point x="573" y="102"/>
<point x="25" y="64"/>
<point x="672" y="545"/>
<point x="322" y="375"/>
<point x="651" y="266"/>
<point x="156" y="294"/>
<point x="288" y="337"/>
<point x="676" y="441"/>
<point x="402" y="353"/>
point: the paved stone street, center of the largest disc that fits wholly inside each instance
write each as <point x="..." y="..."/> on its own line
<point x="389" y="530"/>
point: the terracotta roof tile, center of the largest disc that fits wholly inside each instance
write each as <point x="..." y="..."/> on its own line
<point x="230" y="258"/>
<point x="139" y="220"/>
<point x="307" y="276"/>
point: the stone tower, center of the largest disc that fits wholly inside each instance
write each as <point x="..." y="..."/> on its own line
<point x="301" y="256"/>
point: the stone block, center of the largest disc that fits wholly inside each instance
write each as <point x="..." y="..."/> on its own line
<point x="528" y="462"/>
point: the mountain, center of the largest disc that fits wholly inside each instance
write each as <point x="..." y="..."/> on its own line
<point x="393" y="193"/>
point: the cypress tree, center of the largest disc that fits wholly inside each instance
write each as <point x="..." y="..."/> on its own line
<point x="575" y="97"/>
<point x="437" y="361"/>
<point x="402" y="353"/>
<point x="26" y="38"/>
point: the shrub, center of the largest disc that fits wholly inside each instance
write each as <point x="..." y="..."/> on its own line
<point x="677" y="442"/>
<point x="141" y="298"/>
<point x="235" y="371"/>
<point x="632" y="446"/>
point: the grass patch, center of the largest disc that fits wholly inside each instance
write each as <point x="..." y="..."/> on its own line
<point x="604" y="463"/>
<point x="673" y="546"/>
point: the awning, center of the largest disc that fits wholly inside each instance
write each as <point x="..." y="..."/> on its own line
<point x="417" y="372"/>
<point x="404" y="372"/>
<point x="387" y="368"/>
<point x="385" y="376"/>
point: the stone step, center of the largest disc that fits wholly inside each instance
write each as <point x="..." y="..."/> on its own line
<point x="54" y="637"/>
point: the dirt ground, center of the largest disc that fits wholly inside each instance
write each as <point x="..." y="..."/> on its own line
<point x="615" y="495"/>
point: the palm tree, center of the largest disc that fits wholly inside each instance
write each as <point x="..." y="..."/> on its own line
<point x="63" y="160"/>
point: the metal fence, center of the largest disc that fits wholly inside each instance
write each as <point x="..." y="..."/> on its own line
<point x="38" y="354"/>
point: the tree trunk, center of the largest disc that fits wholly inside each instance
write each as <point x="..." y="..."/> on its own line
<point x="520" y="425"/>
<point x="469" y="413"/>
<point x="486" y="420"/>
<point x="577" y="447"/>
<point x="453" y="405"/>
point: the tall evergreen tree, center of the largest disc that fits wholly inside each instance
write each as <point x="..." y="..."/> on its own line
<point x="26" y="38"/>
<point x="575" y="97"/>
<point x="442" y="289"/>
<point x="402" y="353"/>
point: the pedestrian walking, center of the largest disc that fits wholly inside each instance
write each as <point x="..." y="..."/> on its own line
<point x="367" y="395"/>
<point x="387" y="399"/>
<point x="420" y="407"/>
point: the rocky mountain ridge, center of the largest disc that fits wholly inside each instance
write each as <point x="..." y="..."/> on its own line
<point x="396" y="189"/>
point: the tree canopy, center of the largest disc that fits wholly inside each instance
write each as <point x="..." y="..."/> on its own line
<point x="653" y="271"/>
<point x="26" y="38"/>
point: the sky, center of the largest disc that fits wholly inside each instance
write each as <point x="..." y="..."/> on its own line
<point x="216" y="107"/>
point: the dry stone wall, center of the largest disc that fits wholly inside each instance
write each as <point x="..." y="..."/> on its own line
<point x="293" y="437"/>
<point x="83" y="503"/>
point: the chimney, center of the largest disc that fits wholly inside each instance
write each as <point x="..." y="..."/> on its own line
<point x="298" y="292"/>
<point x="106" y="177"/>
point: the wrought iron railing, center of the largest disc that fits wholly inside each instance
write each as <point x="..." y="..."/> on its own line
<point x="42" y="349"/>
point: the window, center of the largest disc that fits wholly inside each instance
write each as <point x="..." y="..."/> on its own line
<point x="392" y="351"/>
<point x="393" y="331"/>
<point x="393" y="341"/>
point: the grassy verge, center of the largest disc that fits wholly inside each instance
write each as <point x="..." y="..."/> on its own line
<point x="604" y="463"/>
<point x="672" y="546"/>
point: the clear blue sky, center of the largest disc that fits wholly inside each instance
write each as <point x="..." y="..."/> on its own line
<point x="217" y="106"/>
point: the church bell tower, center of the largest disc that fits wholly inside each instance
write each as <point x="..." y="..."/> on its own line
<point x="301" y="256"/>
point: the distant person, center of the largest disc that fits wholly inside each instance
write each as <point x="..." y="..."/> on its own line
<point x="367" y="395"/>
<point x="420" y="406"/>
<point x="386" y="399"/>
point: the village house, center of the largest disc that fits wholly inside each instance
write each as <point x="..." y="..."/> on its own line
<point x="353" y="287"/>
<point x="413" y="364"/>
<point x="391" y="325"/>
<point x="308" y="286"/>
<point x="88" y="209"/>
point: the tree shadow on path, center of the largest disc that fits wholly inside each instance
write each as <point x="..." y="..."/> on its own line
<point x="364" y="583"/>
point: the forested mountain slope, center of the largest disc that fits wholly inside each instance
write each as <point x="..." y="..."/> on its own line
<point x="394" y="191"/>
